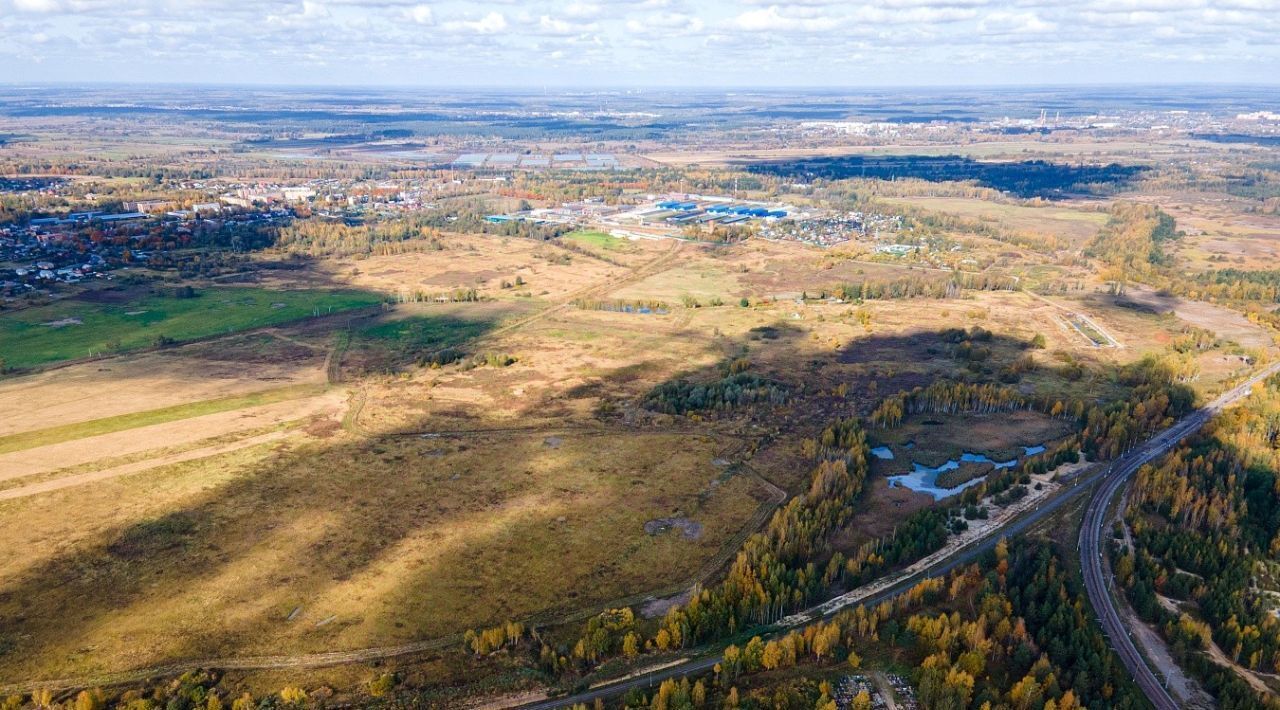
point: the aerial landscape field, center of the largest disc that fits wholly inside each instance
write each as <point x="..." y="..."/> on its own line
<point x="957" y="396"/>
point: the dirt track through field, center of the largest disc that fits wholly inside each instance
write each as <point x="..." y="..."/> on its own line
<point x="138" y="467"/>
<point x="77" y="452"/>
<point x="333" y="364"/>
<point x="645" y="270"/>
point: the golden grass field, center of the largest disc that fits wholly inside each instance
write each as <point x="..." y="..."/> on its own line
<point x="373" y="502"/>
<point x="1075" y="225"/>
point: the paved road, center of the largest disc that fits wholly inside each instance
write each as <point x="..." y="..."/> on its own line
<point x="1093" y="533"/>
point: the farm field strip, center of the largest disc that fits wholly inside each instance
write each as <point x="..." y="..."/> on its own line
<point x="77" y="451"/>
<point x="122" y="422"/>
<point x="80" y="479"/>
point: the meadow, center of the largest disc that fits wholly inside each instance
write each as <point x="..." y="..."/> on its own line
<point x="76" y="328"/>
<point x="599" y="240"/>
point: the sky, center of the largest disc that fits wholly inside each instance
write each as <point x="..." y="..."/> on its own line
<point x="673" y="43"/>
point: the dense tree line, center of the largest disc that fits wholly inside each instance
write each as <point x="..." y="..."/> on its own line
<point x="617" y="305"/>
<point x="1230" y="285"/>
<point x="949" y="397"/>
<point x="1156" y="398"/>
<point x="775" y="572"/>
<point x="924" y="286"/>
<point x="1027" y="178"/>
<point x="457" y="295"/>
<point x="319" y="237"/>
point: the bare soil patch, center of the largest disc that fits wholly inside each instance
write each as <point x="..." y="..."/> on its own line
<point x="689" y="529"/>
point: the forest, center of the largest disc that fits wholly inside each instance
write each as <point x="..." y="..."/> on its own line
<point x="791" y="564"/>
<point x="1198" y="552"/>
<point x="1131" y="244"/>
<point x="1024" y="179"/>
<point x="951" y="286"/>
<point x="1011" y="631"/>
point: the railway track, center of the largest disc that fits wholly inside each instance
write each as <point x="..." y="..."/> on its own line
<point x="1097" y="573"/>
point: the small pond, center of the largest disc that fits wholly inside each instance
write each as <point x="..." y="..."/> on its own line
<point x="883" y="452"/>
<point x="925" y="479"/>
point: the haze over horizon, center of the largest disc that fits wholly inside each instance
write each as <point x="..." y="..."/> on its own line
<point x="641" y="43"/>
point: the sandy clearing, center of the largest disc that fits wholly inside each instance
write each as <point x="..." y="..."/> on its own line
<point x="97" y="390"/>
<point x="1221" y="321"/>
<point x="139" y="466"/>
<point x="44" y="459"/>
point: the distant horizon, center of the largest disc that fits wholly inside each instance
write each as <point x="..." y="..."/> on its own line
<point x="644" y="87"/>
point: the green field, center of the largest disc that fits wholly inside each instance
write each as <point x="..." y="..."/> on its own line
<point x="420" y="332"/>
<point x="74" y="328"/>
<point x="599" y="240"/>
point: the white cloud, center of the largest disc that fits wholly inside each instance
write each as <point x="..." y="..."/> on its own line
<point x="37" y="5"/>
<point x="492" y="23"/>
<point x="421" y="14"/>
<point x="583" y="10"/>
<point x="770" y="19"/>
<point x="548" y="25"/>
<point x="1015" y="23"/>
<point x="312" y="9"/>
<point x="618" y="40"/>
<point x="665" y="23"/>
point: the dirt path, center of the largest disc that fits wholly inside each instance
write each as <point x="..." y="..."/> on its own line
<point x="275" y="333"/>
<point x="1186" y="690"/>
<point x="655" y="266"/>
<point x="77" y="452"/>
<point x="138" y="467"/>
<point x="886" y="690"/>
<point x="643" y="271"/>
<point x="1245" y="674"/>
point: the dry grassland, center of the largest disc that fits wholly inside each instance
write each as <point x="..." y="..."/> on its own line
<point x="373" y="543"/>
<point x="123" y="385"/>
<point x="1077" y="226"/>
<point x="480" y="262"/>
<point x="463" y="497"/>
<point x="1220" y="235"/>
